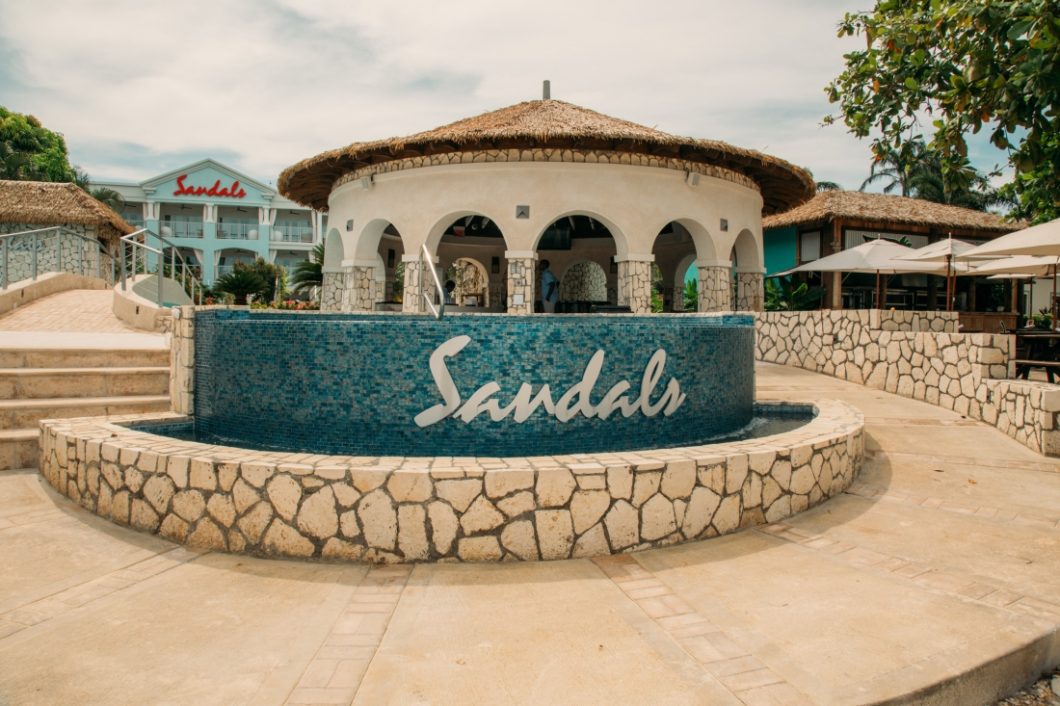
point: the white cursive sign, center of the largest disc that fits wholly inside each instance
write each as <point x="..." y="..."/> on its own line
<point x="576" y="400"/>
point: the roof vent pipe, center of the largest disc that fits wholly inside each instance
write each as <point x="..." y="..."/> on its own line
<point x="546" y="90"/>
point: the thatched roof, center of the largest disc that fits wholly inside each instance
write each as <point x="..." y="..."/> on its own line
<point x="547" y="124"/>
<point x="885" y="210"/>
<point x="55" y="203"/>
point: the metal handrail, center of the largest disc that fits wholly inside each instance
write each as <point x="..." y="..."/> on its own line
<point x="438" y="312"/>
<point x="7" y="238"/>
<point x="187" y="275"/>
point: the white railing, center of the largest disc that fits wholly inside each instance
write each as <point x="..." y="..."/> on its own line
<point x="238" y="230"/>
<point x="185" y="228"/>
<point x="134" y="261"/>
<point x="292" y="233"/>
<point x="27" y="254"/>
<point x="438" y="311"/>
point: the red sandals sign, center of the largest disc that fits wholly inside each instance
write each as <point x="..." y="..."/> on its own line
<point x="235" y="191"/>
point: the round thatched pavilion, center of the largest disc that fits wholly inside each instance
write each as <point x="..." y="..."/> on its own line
<point x="613" y="206"/>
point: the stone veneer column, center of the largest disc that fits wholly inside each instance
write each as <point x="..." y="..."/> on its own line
<point x="182" y="361"/>
<point x="634" y="283"/>
<point x="678" y="302"/>
<point x="715" y="287"/>
<point x="750" y="291"/>
<point x="362" y="294"/>
<point x="418" y="281"/>
<point x="522" y="276"/>
<point x="334" y="290"/>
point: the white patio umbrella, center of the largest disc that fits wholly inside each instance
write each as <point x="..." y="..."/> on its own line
<point x="872" y="257"/>
<point x="1042" y="239"/>
<point x="943" y="251"/>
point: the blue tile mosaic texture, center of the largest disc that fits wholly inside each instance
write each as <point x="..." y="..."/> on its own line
<point x="354" y="383"/>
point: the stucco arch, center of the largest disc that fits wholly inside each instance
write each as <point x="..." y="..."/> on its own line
<point x="334" y="252"/>
<point x="367" y="243"/>
<point x="682" y="269"/>
<point x="746" y="252"/>
<point x="434" y="235"/>
<point x="617" y="234"/>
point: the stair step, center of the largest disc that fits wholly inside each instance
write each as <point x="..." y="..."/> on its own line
<point x="37" y="383"/>
<point x="19" y="448"/>
<point x="16" y="414"/>
<point x="82" y="357"/>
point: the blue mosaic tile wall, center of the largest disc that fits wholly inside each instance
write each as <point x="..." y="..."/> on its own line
<point x="353" y="383"/>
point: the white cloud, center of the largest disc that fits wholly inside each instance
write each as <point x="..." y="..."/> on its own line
<point x="268" y="83"/>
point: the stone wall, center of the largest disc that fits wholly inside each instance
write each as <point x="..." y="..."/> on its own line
<point x="634" y="285"/>
<point x="715" y="288"/>
<point x="549" y="155"/>
<point x="362" y="291"/>
<point x="521" y="276"/>
<point x="182" y="360"/>
<point x="333" y="291"/>
<point x="892" y="351"/>
<point x="750" y="291"/>
<point x="394" y="509"/>
<point x="56" y="251"/>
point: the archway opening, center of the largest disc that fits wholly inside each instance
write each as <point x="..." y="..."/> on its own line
<point x="675" y="253"/>
<point x="580" y="247"/>
<point x="390" y="268"/>
<point x="471" y="254"/>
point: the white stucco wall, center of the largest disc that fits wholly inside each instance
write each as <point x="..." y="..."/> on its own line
<point x="634" y="202"/>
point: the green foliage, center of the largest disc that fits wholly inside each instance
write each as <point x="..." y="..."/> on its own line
<point x="242" y="282"/>
<point x="828" y="186"/>
<point x="109" y="197"/>
<point x="274" y="277"/>
<point x="965" y="65"/>
<point x="1043" y="319"/>
<point x="691" y="295"/>
<point x="309" y="273"/>
<point x="31" y="152"/>
<point x="783" y="294"/>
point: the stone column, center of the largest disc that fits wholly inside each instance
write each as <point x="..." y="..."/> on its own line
<point x="634" y="283"/>
<point x="679" y="298"/>
<point x="334" y="290"/>
<point x="522" y="276"/>
<point x="715" y="287"/>
<point x="750" y="291"/>
<point x="418" y="281"/>
<point x="362" y="295"/>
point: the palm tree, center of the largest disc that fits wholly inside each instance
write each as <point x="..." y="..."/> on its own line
<point x="828" y="186"/>
<point x="241" y="283"/>
<point x="109" y="197"/>
<point x="309" y="273"/>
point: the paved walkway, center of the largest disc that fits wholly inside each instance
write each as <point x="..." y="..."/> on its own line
<point x="79" y="318"/>
<point x="83" y="310"/>
<point x="940" y="561"/>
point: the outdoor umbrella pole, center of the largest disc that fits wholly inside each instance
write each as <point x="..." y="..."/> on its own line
<point x="879" y="304"/>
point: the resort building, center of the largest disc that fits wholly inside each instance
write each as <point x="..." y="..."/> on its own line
<point x="611" y="205"/>
<point x="218" y="217"/>
<point x="838" y="220"/>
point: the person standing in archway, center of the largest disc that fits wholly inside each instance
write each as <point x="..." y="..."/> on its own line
<point x="549" y="288"/>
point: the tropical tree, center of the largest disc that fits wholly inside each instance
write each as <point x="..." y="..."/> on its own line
<point x="828" y="186"/>
<point x="964" y="65"/>
<point x="784" y="294"/>
<point x="109" y="197"/>
<point x="31" y="152"/>
<point x="691" y="295"/>
<point x="309" y="274"/>
<point x="242" y="282"/>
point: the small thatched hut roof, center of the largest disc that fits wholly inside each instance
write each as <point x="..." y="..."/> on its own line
<point x="883" y="210"/>
<point x="547" y="124"/>
<point x="56" y="203"/>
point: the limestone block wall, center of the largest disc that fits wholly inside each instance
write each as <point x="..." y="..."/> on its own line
<point x="362" y="292"/>
<point x="332" y="291"/>
<point x="521" y="276"/>
<point x="56" y="251"/>
<point x="395" y="509"/>
<point x="750" y="291"/>
<point x="182" y="360"/>
<point x="418" y="281"/>
<point x="715" y="288"/>
<point x="634" y="285"/>
<point x="966" y="373"/>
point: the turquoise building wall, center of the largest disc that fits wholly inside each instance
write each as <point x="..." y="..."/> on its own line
<point x="780" y="249"/>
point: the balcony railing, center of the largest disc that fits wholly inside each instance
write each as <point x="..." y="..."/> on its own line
<point x="182" y="229"/>
<point x="238" y="230"/>
<point x="290" y="233"/>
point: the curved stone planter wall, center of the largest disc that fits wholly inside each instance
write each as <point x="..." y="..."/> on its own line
<point x="394" y="509"/>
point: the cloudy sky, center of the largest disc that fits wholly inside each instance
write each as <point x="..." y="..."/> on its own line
<point x="140" y="87"/>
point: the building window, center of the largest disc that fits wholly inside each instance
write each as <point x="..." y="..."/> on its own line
<point x="809" y="246"/>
